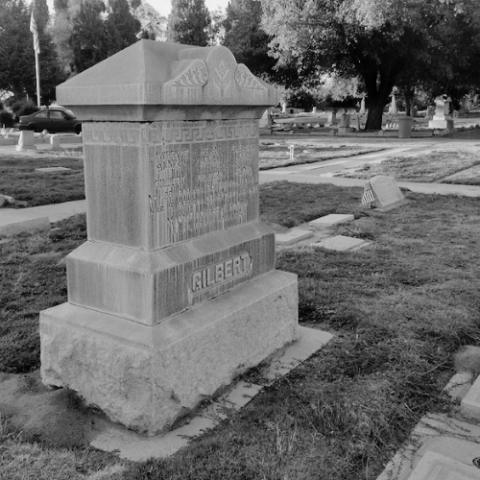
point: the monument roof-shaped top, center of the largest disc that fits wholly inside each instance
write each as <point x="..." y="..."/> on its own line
<point x="166" y="75"/>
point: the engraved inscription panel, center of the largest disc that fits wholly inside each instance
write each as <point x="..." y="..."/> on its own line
<point x="201" y="186"/>
<point x="228" y="271"/>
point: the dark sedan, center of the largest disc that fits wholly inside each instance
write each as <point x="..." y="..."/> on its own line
<point x="54" y="120"/>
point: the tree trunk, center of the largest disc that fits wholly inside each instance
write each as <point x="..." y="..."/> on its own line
<point x="375" y="114"/>
<point x="379" y="86"/>
<point x="409" y="94"/>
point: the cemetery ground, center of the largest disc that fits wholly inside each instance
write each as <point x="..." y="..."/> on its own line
<point x="399" y="310"/>
<point x="436" y="160"/>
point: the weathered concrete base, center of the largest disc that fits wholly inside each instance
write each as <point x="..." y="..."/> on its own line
<point x="446" y="124"/>
<point x="134" y="447"/>
<point x="146" y="377"/>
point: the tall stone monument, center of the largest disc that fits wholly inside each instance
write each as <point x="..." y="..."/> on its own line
<point x="175" y="292"/>
<point x="442" y="118"/>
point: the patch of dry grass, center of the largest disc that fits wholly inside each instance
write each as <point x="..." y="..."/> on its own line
<point x="20" y="460"/>
<point x="399" y="309"/>
<point x="19" y="179"/>
<point x="275" y="156"/>
<point x="432" y="167"/>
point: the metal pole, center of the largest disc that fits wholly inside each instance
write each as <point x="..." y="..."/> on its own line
<point x="37" y="71"/>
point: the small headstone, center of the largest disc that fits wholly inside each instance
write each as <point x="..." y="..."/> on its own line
<point x="262" y="123"/>
<point x="25" y="141"/>
<point x="291" y="149"/>
<point x="344" y="120"/>
<point x="393" y="106"/>
<point x="5" y="200"/>
<point x="385" y="192"/>
<point x="314" y="110"/>
<point x="292" y="236"/>
<point x="434" y="466"/>
<point x="363" y="110"/>
<point x="3" y="132"/>
<point x="329" y="221"/>
<point x="332" y="117"/>
<point x="342" y="243"/>
<point x="55" y="142"/>
<point x="442" y="119"/>
<point x="52" y="169"/>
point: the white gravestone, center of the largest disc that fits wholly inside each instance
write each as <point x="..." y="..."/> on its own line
<point x="384" y="192"/>
<point x="442" y="119"/>
<point x="175" y="292"/>
<point x="25" y="141"/>
<point x="393" y="106"/>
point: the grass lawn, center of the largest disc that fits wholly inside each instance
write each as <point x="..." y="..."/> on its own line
<point x="437" y="166"/>
<point x="273" y="155"/>
<point x="19" y="179"/>
<point x="399" y="310"/>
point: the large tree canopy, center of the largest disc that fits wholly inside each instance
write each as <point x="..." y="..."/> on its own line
<point x="245" y="37"/>
<point x="189" y="23"/>
<point x="377" y="40"/>
<point x="94" y="38"/>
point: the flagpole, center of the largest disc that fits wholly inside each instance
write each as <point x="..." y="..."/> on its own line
<point x="37" y="72"/>
<point x="36" y="48"/>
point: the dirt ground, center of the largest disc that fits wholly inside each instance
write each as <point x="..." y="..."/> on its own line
<point x="54" y="416"/>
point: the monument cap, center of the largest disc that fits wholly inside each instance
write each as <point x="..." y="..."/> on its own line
<point x="152" y="81"/>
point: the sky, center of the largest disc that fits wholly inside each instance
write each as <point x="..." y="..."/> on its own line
<point x="164" y="6"/>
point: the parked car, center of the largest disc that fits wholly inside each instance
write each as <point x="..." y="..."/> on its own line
<point x="53" y="119"/>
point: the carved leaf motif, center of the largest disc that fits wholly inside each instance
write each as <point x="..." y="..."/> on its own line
<point x="195" y="76"/>
<point x="246" y="79"/>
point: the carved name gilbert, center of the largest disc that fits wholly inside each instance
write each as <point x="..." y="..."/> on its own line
<point x="218" y="273"/>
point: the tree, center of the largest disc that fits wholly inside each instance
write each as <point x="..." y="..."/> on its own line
<point x="17" y="58"/>
<point x="94" y="39"/>
<point x="121" y="27"/>
<point x="245" y="37"/>
<point x="376" y="40"/>
<point x="87" y="40"/>
<point x="188" y="23"/>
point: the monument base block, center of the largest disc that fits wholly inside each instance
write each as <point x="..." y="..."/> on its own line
<point x="146" y="377"/>
<point x="445" y="124"/>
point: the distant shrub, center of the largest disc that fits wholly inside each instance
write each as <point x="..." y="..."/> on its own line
<point x="6" y="119"/>
<point x="23" y="107"/>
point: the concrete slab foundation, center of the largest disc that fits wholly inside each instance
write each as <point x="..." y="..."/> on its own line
<point x="341" y="243"/>
<point x="329" y="221"/>
<point x="293" y="236"/>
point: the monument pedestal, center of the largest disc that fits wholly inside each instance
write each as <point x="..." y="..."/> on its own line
<point x="145" y="376"/>
<point x="441" y="123"/>
<point x="175" y="293"/>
